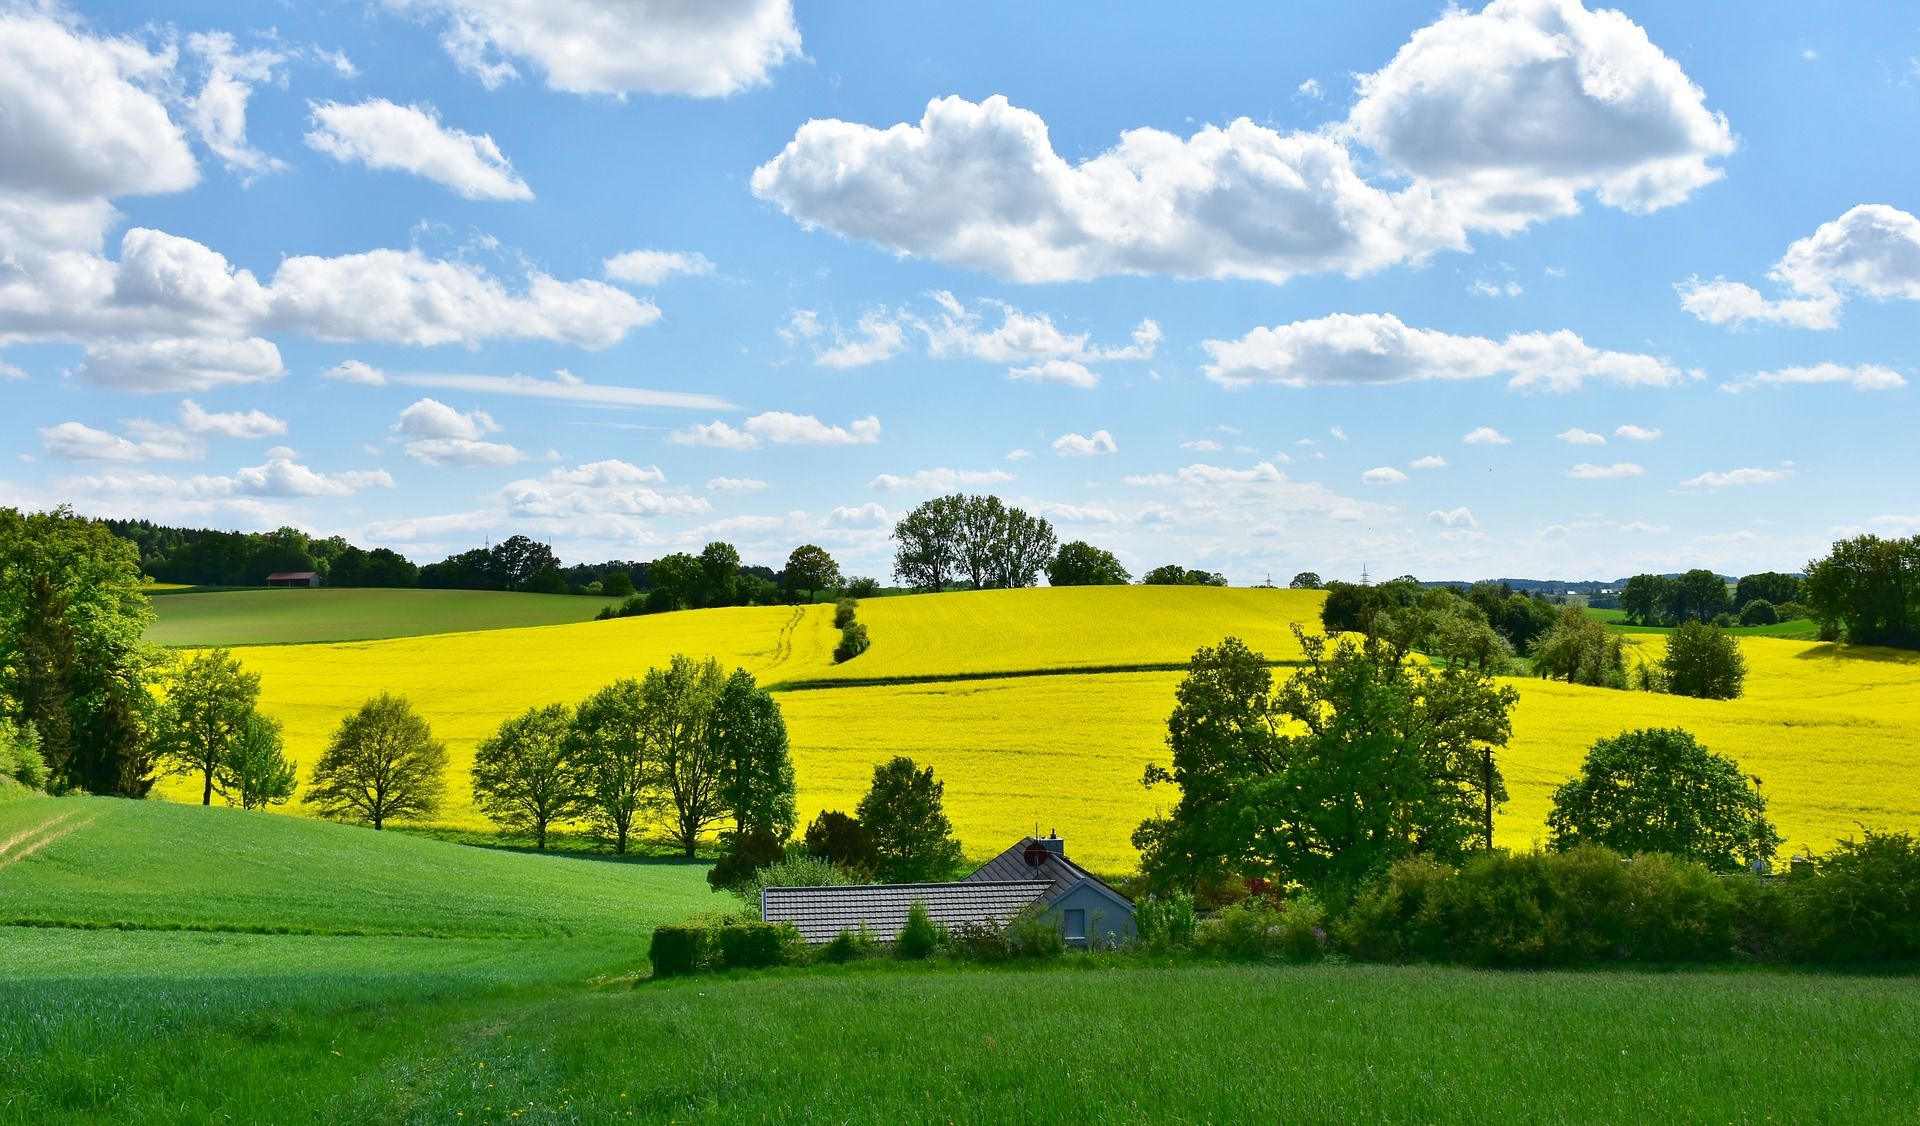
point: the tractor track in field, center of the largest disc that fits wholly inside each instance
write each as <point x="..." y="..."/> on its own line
<point x="817" y="684"/>
<point x="39" y="837"/>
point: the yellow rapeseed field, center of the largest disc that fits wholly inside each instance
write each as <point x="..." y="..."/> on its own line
<point x="1833" y="733"/>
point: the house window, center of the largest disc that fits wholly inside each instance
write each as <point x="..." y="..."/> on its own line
<point x="1077" y="924"/>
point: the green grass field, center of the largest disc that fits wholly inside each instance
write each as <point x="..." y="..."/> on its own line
<point x="529" y="1008"/>
<point x="288" y="617"/>
<point x="1803" y="629"/>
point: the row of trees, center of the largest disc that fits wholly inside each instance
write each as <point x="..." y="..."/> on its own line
<point x="1867" y="590"/>
<point x="974" y="540"/>
<point x="1700" y="595"/>
<point x="1362" y="759"/>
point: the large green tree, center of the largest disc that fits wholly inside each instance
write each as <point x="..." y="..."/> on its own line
<point x="1081" y="564"/>
<point x="1580" y="650"/>
<point x="1359" y="759"/>
<point x="1659" y="790"/>
<point x="811" y="569"/>
<point x="522" y="775"/>
<point x="719" y="574"/>
<point x="677" y="705"/>
<point x="926" y="551"/>
<point x="73" y="662"/>
<point x="209" y="701"/>
<point x="676" y="577"/>
<point x="1868" y="590"/>
<point x="1703" y="661"/>
<point x="905" y="813"/>
<point x="1766" y="586"/>
<point x="613" y="759"/>
<point x="749" y="736"/>
<point x="1697" y="596"/>
<point x="1643" y="598"/>
<point x="382" y="763"/>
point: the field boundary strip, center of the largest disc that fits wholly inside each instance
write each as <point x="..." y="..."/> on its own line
<point x="39" y="837"/>
<point x="819" y="683"/>
<point x="43" y="923"/>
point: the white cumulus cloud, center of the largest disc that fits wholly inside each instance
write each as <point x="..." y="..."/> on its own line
<point x="1383" y="475"/>
<point x="1872" y="251"/>
<point x="1749" y="475"/>
<point x="651" y="267"/>
<point x="1865" y="377"/>
<point x="1579" y="437"/>
<point x="1589" y="472"/>
<point x="1486" y="436"/>
<point x="382" y="135"/>
<point x="1085" y="445"/>
<point x="1634" y="433"/>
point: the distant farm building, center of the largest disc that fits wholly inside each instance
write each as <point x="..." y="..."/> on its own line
<point x="294" y="578"/>
<point x="1034" y="876"/>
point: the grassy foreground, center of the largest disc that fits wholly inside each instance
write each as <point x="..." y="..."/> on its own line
<point x="290" y="617"/>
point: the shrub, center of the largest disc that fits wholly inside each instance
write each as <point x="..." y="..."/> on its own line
<point x="798" y="870"/>
<point x="1398" y="917"/>
<point x="860" y="586"/>
<point x="678" y="950"/>
<point x="1036" y="934"/>
<point x="1247" y="929"/>
<point x="980" y="942"/>
<point x="20" y="754"/>
<point x="1764" y="927"/>
<point x="747" y="854"/>
<point x="1538" y="909"/>
<point x="1704" y="662"/>
<point x="843" y="612"/>
<point x="849" y="946"/>
<point x="753" y="945"/>
<point x="843" y="840"/>
<point x="1679" y="911"/>
<point x="1759" y="612"/>
<point x="919" y="936"/>
<point x="853" y="642"/>
<point x="1165" y="923"/>
<point x="1302" y="935"/>
<point x="1863" y="905"/>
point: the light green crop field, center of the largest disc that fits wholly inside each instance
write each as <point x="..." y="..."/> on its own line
<point x="289" y="617"/>
<point x="1803" y="628"/>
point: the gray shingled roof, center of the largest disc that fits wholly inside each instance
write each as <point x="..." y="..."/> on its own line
<point x="1059" y="872"/>
<point x="820" y="914"/>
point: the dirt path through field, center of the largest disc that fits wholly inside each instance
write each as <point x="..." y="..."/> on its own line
<point x="38" y="837"/>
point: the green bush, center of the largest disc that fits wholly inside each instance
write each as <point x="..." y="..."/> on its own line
<point x="1302" y="935"/>
<point x="1764" y="926"/>
<point x="1037" y="934"/>
<point x="1759" y="612"/>
<point x="1399" y="918"/>
<point x="1247" y="929"/>
<point x="850" y="946"/>
<point x="747" y="854"/>
<point x="853" y="642"/>
<point x="1537" y="908"/>
<point x="843" y="613"/>
<point x="919" y="936"/>
<point x="20" y="754"/>
<point x="677" y="950"/>
<point x="796" y="870"/>
<point x="1679" y="911"/>
<point x="980" y="942"/>
<point x="753" y="945"/>
<point x="1165" y="922"/>
<point x="1863" y="904"/>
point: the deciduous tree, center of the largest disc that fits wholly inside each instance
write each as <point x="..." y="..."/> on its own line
<point x="719" y="574"/>
<point x="523" y="777"/>
<point x="1580" y="650"/>
<point x="843" y="841"/>
<point x="1306" y="580"/>
<point x="903" y="809"/>
<point x="255" y="772"/>
<point x="811" y="569"/>
<point x="1081" y="564"/>
<point x="927" y="544"/>
<point x="209" y="700"/>
<point x="383" y="763"/>
<point x="749" y="736"/>
<point x="1643" y="598"/>
<point x="1868" y="590"/>
<point x="1703" y="661"/>
<point x="677" y="578"/>
<point x="677" y="705"/>
<point x="1658" y="790"/>
<point x="613" y="759"/>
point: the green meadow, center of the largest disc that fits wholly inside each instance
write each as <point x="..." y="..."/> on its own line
<point x="286" y="617"/>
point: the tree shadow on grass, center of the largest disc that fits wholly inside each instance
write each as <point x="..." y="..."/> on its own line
<point x="1835" y="651"/>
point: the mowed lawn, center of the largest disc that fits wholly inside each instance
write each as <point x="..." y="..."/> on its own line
<point x="295" y="616"/>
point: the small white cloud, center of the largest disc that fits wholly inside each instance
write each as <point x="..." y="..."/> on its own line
<point x="1485" y="288"/>
<point x="231" y="424"/>
<point x="1640" y="527"/>
<point x="431" y="418"/>
<point x="735" y="485"/>
<point x="75" y="441"/>
<point x="1202" y="445"/>
<point x="1309" y="89"/>
<point x="1019" y="455"/>
<point x="651" y="267"/>
<point x="1866" y="377"/>
<point x="716" y="434"/>
<point x="1579" y="437"/>
<point x="8" y="371"/>
<point x="1337" y="432"/>
<point x="353" y="371"/>
<point x="1587" y="472"/>
<point x="783" y="428"/>
<point x="1072" y="373"/>
<point x="382" y="135"/>
<point x="941" y="480"/>
<point x="1459" y="517"/>
<point x="1383" y="475"/>
<point x="1431" y="461"/>
<point x="1085" y="445"/>
<point x="1634" y="433"/>
<point x="1486" y="436"/>
<point x="463" y="452"/>
<point x="1737" y="477"/>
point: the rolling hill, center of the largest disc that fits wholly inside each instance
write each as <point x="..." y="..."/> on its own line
<point x="286" y="617"/>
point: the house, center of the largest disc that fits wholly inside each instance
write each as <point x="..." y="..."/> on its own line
<point x="293" y="578"/>
<point x="1032" y="876"/>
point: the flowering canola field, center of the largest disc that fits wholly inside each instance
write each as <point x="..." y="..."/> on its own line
<point x="1833" y="733"/>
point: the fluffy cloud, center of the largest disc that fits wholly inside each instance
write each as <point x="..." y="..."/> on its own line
<point x="219" y="110"/>
<point x="82" y="118"/>
<point x="1384" y="475"/>
<point x="716" y="434"/>
<point x="782" y="428"/>
<point x="1460" y="517"/>
<point x="1072" y="373"/>
<point x="1491" y="120"/>
<point x="463" y="452"/>
<point x="1735" y="477"/>
<point x="354" y="371"/>
<point x="431" y="418"/>
<point x="9" y="371"/>
<point x="1486" y="436"/>
<point x="1371" y="348"/>
<point x="180" y="364"/>
<point x="941" y="480"/>
<point x="1634" y="433"/>
<point x="382" y="135"/>
<point x="1513" y="111"/>
<point x="230" y="424"/>
<point x="651" y="267"/>
<point x="1084" y="445"/>
<point x="1865" y="377"/>
<point x="284" y="477"/>
<point x="1871" y="251"/>
<point x="707" y="49"/>
<point x="603" y="489"/>
<point x="1431" y="461"/>
<point x="1587" y="472"/>
<point x="1579" y="437"/>
<point x="75" y="441"/>
<point x="878" y="336"/>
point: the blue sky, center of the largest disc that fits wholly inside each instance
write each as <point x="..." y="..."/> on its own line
<point x="1527" y="288"/>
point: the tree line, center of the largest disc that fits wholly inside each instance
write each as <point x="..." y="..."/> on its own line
<point x="1699" y="595"/>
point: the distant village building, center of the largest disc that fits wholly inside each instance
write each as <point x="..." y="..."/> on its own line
<point x="1032" y="876"/>
<point x="294" y="578"/>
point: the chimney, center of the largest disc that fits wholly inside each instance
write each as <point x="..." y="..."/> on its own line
<point x="1053" y="844"/>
